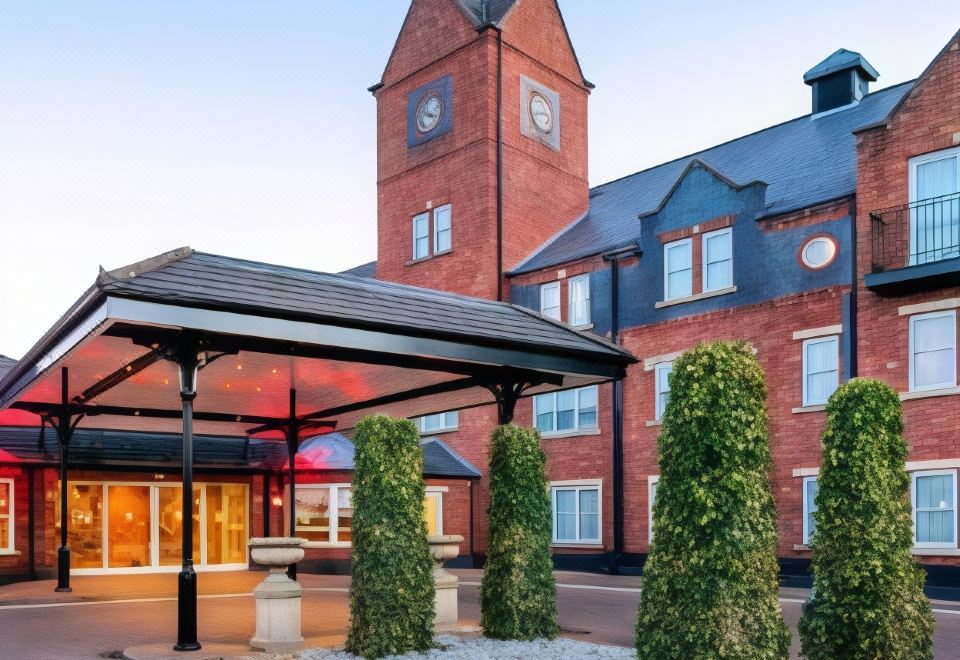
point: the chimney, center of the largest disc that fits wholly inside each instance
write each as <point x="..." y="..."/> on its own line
<point x="839" y="81"/>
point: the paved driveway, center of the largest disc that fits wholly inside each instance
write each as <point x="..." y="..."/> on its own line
<point x="106" y="614"/>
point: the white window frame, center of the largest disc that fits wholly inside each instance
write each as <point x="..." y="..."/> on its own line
<point x="333" y="514"/>
<point x="913" y="505"/>
<point x="652" y="483"/>
<point x="437" y="492"/>
<point x="952" y="313"/>
<point x="571" y="303"/>
<point x="705" y="256"/>
<point x="11" y="515"/>
<point x="444" y="428"/>
<point x="658" y="410"/>
<point x="577" y="486"/>
<point x="417" y="218"/>
<point x="446" y="208"/>
<point x="544" y="288"/>
<point x="806" y="510"/>
<point x="666" y="268"/>
<point x="576" y="430"/>
<point x="914" y="164"/>
<point x="807" y="401"/>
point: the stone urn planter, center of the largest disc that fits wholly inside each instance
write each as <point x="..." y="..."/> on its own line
<point x="278" y="597"/>
<point x="445" y="548"/>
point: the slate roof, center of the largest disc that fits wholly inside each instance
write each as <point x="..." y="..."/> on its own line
<point x="804" y="161"/>
<point x="91" y="447"/>
<point x="6" y="364"/>
<point x="209" y="281"/>
<point x="841" y="60"/>
<point x="363" y="270"/>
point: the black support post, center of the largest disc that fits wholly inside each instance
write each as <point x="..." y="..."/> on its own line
<point x="64" y="422"/>
<point x="188" y="363"/>
<point x="293" y="441"/>
<point x="507" y="392"/>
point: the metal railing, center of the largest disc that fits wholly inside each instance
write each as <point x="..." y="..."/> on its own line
<point x="918" y="233"/>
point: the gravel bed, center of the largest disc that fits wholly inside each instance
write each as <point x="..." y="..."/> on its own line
<point x="481" y="648"/>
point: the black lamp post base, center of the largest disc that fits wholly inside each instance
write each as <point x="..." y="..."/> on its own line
<point x="187" y="646"/>
<point x="63" y="569"/>
<point x="187" y="611"/>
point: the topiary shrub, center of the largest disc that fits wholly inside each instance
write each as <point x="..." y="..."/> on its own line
<point x="518" y="596"/>
<point x="392" y="591"/>
<point x="710" y="580"/>
<point x="867" y="600"/>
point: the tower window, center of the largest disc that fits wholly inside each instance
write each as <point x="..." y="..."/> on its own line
<point x="421" y="236"/>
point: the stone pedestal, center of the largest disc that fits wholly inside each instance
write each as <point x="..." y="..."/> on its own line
<point x="278" y="597"/>
<point x="445" y="548"/>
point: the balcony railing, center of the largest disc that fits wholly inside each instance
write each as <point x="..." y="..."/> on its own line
<point x="922" y="232"/>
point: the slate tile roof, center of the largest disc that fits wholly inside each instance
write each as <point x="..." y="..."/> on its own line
<point x="211" y="281"/>
<point x="6" y="364"/>
<point x="804" y="161"/>
<point x="363" y="270"/>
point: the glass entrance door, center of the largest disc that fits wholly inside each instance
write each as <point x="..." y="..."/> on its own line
<point x="170" y="525"/>
<point x="128" y="531"/>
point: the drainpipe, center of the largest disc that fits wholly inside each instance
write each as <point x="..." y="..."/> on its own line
<point x="618" y="481"/>
<point x="31" y="522"/>
<point x="851" y="332"/>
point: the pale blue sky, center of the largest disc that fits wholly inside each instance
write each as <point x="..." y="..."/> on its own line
<point x="245" y="128"/>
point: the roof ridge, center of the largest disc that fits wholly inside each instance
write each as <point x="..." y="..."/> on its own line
<point x="141" y="267"/>
<point x="732" y="140"/>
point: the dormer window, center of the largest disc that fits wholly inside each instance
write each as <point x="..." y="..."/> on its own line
<point x="717" y="260"/>
<point x="678" y="269"/>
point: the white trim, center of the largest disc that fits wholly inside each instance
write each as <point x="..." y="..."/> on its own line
<point x="806" y="472"/>
<point x="577" y="486"/>
<point x="550" y="286"/>
<point x="652" y="481"/>
<point x="806" y="513"/>
<point x="654" y="422"/>
<point x="695" y="297"/>
<point x="650" y="363"/>
<point x="413" y="252"/>
<point x="813" y="241"/>
<point x="559" y="435"/>
<point x="437" y="489"/>
<point x="809" y="409"/>
<point x="929" y="394"/>
<point x="657" y="410"/>
<point x="941" y="464"/>
<point x="446" y="428"/>
<point x="570" y="301"/>
<point x="11" y="516"/>
<point x="704" y="255"/>
<point x="807" y="401"/>
<point x="952" y="382"/>
<point x="436" y="231"/>
<point x="666" y="268"/>
<point x="437" y="495"/>
<point x="913" y="502"/>
<point x="932" y="306"/>
<point x="818" y="332"/>
<point x="576" y="430"/>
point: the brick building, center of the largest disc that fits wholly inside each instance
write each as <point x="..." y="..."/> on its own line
<point x="829" y="242"/>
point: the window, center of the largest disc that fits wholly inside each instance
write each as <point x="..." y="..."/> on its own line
<point x="821" y="371"/>
<point x="935" y="509"/>
<point x="421" y="236"/>
<point x="678" y="269"/>
<point x="579" y="313"/>
<point x="447" y="421"/>
<point x="935" y="206"/>
<point x="576" y="514"/>
<point x="819" y="252"/>
<point x="717" y="260"/>
<point x="568" y="411"/>
<point x="325" y="513"/>
<point x="662" y="376"/>
<point x="933" y="351"/>
<point x="810" y="489"/>
<point x="441" y="229"/>
<point x="550" y="300"/>
<point x="651" y="498"/>
<point x="6" y="516"/>
<point x="433" y="512"/>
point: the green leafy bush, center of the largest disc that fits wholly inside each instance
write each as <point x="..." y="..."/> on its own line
<point x="392" y="592"/>
<point x="868" y="599"/>
<point x="518" y="597"/>
<point x="710" y="581"/>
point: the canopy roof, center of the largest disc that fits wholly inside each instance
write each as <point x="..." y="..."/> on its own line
<point x="348" y="346"/>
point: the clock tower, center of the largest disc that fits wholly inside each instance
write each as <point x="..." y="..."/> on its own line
<point x="481" y="142"/>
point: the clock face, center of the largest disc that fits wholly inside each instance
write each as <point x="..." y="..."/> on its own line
<point x="541" y="113"/>
<point x="429" y="112"/>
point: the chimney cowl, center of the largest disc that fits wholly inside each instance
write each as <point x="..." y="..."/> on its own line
<point x="840" y="80"/>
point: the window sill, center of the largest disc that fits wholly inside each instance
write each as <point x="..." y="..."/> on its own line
<point x="583" y="545"/>
<point x="809" y="409"/>
<point x="568" y="434"/>
<point x="427" y="258"/>
<point x="801" y="547"/>
<point x="694" y="298"/>
<point x="326" y="545"/>
<point x="452" y="429"/>
<point x="655" y="422"/>
<point x="10" y="553"/>
<point x="936" y="552"/>
<point x="929" y="394"/>
<point x="583" y="328"/>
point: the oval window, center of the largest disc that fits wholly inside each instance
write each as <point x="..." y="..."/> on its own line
<point x="819" y="252"/>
